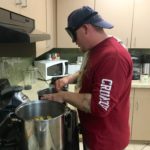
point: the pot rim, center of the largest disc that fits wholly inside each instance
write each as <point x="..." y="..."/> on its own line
<point x="38" y="102"/>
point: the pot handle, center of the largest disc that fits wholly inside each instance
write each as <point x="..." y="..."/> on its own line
<point x="68" y="123"/>
<point x="10" y="117"/>
<point x="3" y="126"/>
<point x="71" y="126"/>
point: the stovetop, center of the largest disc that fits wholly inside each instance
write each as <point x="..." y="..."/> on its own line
<point x="11" y="131"/>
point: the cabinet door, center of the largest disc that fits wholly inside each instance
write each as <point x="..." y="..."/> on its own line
<point x="141" y="21"/>
<point x="64" y="8"/>
<point x="51" y="24"/>
<point x="10" y="5"/>
<point x="120" y="14"/>
<point x="37" y="11"/>
<point x="141" y="119"/>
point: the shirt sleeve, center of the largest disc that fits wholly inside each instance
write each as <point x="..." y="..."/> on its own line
<point x="108" y="85"/>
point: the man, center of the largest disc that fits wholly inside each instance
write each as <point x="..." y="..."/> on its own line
<point x="105" y="82"/>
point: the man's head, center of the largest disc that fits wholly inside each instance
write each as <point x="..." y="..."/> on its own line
<point x="84" y="15"/>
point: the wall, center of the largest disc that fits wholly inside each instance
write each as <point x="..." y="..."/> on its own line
<point x="12" y="68"/>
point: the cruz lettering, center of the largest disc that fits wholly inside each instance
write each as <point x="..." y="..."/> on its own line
<point x="104" y="95"/>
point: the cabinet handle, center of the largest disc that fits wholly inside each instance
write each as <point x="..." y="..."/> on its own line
<point x="134" y="44"/>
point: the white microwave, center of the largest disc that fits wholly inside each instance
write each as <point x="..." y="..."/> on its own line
<point x="47" y="69"/>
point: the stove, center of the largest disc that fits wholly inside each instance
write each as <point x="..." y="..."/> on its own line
<point x="12" y="133"/>
<point x="11" y="127"/>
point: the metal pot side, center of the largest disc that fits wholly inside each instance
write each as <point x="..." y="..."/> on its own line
<point x="43" y="134"/>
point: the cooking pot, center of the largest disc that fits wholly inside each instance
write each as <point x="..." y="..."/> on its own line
<point x="47" y="134"/>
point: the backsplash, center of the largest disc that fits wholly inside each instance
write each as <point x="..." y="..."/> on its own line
<point x="70" y="54"/>
<point x="137" y="52"/>
<point x="12" y="67"/>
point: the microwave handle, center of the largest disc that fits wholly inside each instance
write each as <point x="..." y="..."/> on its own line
<point x="65" y="68"/>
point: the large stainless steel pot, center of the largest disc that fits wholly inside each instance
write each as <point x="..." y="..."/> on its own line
<point x="43" y="134"/>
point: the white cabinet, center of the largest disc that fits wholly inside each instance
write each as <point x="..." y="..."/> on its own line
<point x="10" y="5"/>
<point x="141" y="21"/>
<point x="130" y="18"/>
<point x="37" y="11"/>
<point x="64" y="8"/>
<point x="51" y="23"/>
<point x="140" y="115"/>
<point x="120" y="14"/>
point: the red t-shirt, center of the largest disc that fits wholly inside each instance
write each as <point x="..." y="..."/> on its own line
<point x="108" y="78"/>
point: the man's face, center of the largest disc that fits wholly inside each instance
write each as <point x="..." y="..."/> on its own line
<point x="81" y="39"/>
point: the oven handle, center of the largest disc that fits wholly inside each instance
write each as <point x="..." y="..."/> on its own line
<point x="10" y="118"/>
<point x="72" y="133"/>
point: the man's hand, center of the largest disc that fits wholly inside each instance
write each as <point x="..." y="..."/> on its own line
<point x="53" y="97"/>
<point x="60" y="83"/>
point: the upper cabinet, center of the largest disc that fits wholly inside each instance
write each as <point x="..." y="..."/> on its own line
<point x="130" y="19"/>
<point x="141" y="21"/>
<point x="44" y="14"/>
<point x="120" y="14"/>
<point x="10" y="5"/>
<point x="64" y="8"/>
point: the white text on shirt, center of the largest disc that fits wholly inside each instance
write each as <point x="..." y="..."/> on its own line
<point x="104" y="97"/>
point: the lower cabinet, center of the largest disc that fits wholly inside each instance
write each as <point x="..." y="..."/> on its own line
<point x="140" y="114"/>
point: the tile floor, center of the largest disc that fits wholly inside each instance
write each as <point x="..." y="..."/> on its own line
<point x="132" y="146"/>
<point x="138" y="146"/>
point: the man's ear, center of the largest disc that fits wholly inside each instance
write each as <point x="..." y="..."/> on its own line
<point x="85" y="27"/>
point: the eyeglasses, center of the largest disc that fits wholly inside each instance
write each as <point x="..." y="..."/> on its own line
<point x="72" y="31"/>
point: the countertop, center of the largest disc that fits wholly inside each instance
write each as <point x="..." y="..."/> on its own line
<point x="40" y="85"/>
<point x="140" y="84"/>
<point x="37" y="86"/>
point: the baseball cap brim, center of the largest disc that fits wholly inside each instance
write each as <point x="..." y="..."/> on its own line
<point x="103" y="24"/>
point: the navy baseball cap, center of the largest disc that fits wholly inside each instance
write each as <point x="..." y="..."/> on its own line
<point x="85" y="15"/>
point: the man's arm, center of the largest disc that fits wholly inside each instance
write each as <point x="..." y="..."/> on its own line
<point x="78" y="100"/>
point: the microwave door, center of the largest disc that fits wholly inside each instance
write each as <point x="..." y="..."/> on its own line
<point x="55" y="70"/>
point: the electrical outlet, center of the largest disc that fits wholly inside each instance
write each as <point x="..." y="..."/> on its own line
<point x="24" y="3"/>
<point x="18" y="2"/>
